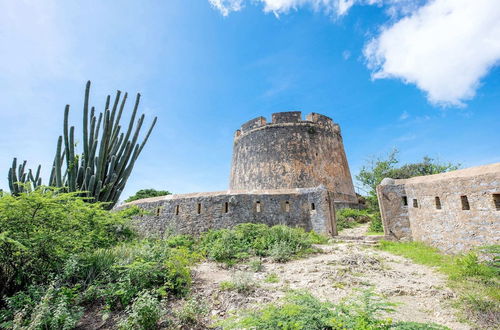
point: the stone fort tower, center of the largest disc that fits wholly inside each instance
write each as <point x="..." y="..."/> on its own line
<point x="290" y="153"/>
<point x="290" y="171"/>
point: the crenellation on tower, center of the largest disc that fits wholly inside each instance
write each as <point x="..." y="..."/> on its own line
<point x="287" y="117"/>
<point x="290" y="153"/>
<point x="253" y="123"/>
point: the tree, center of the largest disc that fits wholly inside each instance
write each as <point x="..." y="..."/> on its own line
<point x="146" y="193"/>
<point x="372" y="174"/>
<point x="109" y="154"/>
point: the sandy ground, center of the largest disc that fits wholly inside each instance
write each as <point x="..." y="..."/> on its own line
<point x="356" y="231"/>
<point x="337" y="273"/>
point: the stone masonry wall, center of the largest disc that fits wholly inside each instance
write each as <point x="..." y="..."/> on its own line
<point x="437" y="212"/>
<point x="311" y="209"/>
<point x="291" y="153"/>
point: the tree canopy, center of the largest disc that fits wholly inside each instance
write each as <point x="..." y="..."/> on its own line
<point x="146" y="193"/>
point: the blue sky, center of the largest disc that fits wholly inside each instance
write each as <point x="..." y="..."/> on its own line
<point x="393" y="75"/>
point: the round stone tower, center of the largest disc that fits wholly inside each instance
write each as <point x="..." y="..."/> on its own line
<point x="291" y="153"/>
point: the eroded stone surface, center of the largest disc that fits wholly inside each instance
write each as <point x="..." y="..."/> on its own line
<point x="436" y="211"/>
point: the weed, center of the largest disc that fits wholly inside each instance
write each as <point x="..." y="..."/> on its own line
<point x="272" y="278"/>
<point x="477" y="283"/>
<point x="256" y="265"/>
<point x="242" y="282"/>
<point x="144" y="312"/>
<point x="192" y="311"/>
<point x="301" y="310"/>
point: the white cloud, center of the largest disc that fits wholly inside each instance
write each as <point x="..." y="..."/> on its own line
<point x="227" y="6"/>
<point x="444" y="47"/>
<point x="335" y="7"/>
<point x="405" y="115"/>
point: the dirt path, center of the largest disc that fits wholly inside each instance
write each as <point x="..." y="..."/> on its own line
<point x="420" y="292"/>
<point x="360" y="230"/>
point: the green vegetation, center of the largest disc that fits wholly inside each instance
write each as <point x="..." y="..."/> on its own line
<point x="147" y="193"/>
<point x="242" y="282"/>
<point x="59" y="255"/>
<point x="42" y="229"/>
<point x="301" y="310"/>
<point x="102" y="170"/>
<point x="281" y="243"/>
<point x="377" y="169"/>
<point x="478" y="283"/>
<point x="272" y="278"/>
<point x="350" y="218"/>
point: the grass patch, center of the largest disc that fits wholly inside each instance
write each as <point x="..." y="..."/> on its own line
<point x="477" y="283"/>
<point x="301" y="310"/>
<point x="272" y="278"/>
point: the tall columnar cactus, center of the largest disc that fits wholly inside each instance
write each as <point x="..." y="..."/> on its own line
<point x="108" y="157"/>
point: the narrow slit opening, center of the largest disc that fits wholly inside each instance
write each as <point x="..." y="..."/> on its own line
<point x="496" y="201"/>
<point x="405" y="200"/>
<point x="258" y="207"/>
<point x="465" y="203"/>
<point x="313" y="207"/>
<point x="438" y="203"/>
<point x="415" y="203"/>
<point x="199" y="208"/>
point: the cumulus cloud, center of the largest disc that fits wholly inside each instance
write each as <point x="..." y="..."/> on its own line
<point x="444" y="48"/>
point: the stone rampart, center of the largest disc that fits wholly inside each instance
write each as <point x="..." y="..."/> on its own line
<point x="453" y="211"/>
<point x="308" y="208"/>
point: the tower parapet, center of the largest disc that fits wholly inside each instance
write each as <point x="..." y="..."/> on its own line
<point x="290" y="152"/>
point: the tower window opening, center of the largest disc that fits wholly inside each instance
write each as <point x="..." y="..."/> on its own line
<point x="226" y="207"/>
<point x="465" y="203"/>
<point x="496" y="201"/>
<point x="158" y="211"/>
<point x="438" y="203"/>
<point x="313" y="207"/>
<point x="177" y="210"/>
<point x="199" y="208"/>
<point x="258" y="207"/>
<point x="405" y="200"/>
<point x="415" y="203"/>
<point x="287" y="206"/>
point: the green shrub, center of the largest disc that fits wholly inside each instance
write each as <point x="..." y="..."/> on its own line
<point x="145" y="265"/>
<point x="245" y="240"/>
<point x="191" y="312"/>
<point x="42" y="308"/>
<point x="256" y="265"/>
<point x="143" y="314"/>
<point x="301" y="310"/>
<point x="376" y="223"/>
<point x="242" y="282"/>
<point x="41" y="230"/>
<point x="349" y="218"/>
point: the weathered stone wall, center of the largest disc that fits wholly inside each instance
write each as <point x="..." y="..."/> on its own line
<point x="311" y="209"/>
<point x="291" y="153"/>
<point x="452" y="227"/>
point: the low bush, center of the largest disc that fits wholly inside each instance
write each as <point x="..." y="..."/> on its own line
<point x="144" y="313"/>
<point x="301" y="310"/>
<point x="242" y="282"/>
<point x="350" y="218"/>
<point x="245" y="240"/>
<point x="40" y="230"/>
